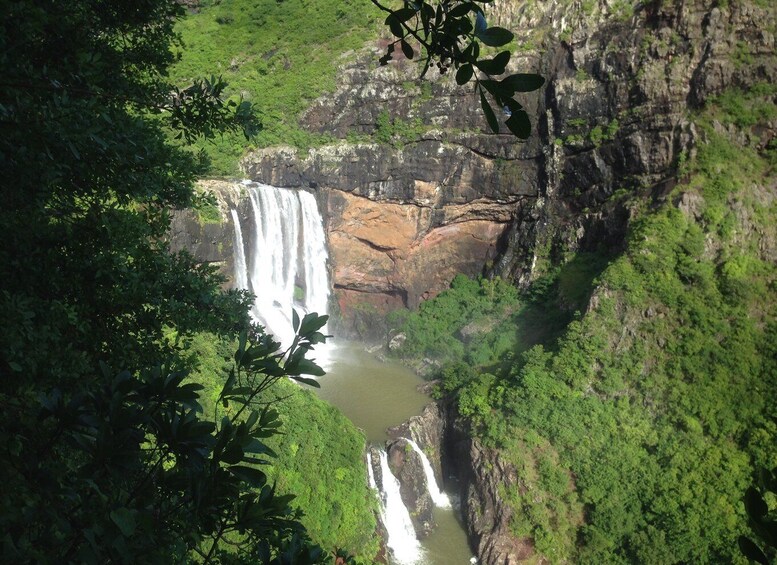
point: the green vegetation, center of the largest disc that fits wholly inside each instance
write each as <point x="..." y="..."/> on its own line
<point x="635" y="428"/>
<point x="262" y="48"/>
<point x="111" y="453"/>
<point x="319" y="453"/>
<point x="396" y="131"/>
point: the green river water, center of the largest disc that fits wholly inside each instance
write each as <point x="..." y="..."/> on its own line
<point x="376" y="395"/>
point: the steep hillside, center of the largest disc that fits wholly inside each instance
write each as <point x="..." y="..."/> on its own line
<point x="633" y="436"/>
<point x="278" y="55"/>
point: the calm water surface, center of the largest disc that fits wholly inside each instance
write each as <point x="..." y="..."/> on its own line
<point x="376" y="395"/>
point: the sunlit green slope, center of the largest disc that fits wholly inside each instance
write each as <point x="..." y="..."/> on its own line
<point x="278" y="55"/>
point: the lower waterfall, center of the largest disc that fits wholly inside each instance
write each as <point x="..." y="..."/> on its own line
<point x="286" y="266"/>
<point x="438" y="496"/>
<point x="401" y="540"/>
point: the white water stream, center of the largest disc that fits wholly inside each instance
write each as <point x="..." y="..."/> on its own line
<point x="438" y="496"/>
<point x="402" y="542"/>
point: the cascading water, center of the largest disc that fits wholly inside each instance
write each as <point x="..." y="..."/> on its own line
<point x="286" y="267"/>
<point x="241" y="271"/>
<point x="438" y="496"/>
<point x="401" y="541"/>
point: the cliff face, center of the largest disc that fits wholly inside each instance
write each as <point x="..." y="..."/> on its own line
<point x="402" y="221"/>
<point x="439" y="196"/>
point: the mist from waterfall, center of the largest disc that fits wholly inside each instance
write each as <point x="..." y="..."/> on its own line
<point x="438" y="496"/>
<point x="285" y="267"/>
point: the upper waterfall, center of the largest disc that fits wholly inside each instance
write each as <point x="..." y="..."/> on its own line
<point x="284" y="263"/>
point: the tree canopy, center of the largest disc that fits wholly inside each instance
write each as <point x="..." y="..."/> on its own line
<point x="107" y="455"/>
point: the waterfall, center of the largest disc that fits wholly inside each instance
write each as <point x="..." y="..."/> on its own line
<point x="370" y="472"/>
<point x="401" y="541"/>
<point x="438" y="496"/>
<point x="286" y="266"/>
<point x="241" y="272"/>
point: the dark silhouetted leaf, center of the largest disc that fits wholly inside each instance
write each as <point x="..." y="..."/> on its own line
<point x="519" y="124"/>
<point x="404" y="14"/>
<point x="406" y="49"/>
<point x="124" y="518"/>
<point x="752" y="551"/>
<point x="495" y="66"/>
<point x="524" y="82"/>
<point x="395" y="26"/>
<point x="490" y="116"/>
<point x="480" y="24"/>
<point x="495" y="36"/>
<point x="755" y="505"/>
<point x="253" y="477"/>
<point x="464" y="74"/>
<point x="310" y="382"/>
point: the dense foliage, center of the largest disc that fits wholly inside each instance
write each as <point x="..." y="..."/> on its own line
<point x="637" y="427"/>
<point x="107" y="454"/>
<point x="319" y="454"/>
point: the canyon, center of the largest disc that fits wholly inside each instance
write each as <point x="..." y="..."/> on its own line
<point x="437" y="196"/>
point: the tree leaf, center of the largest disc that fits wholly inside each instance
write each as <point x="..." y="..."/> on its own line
<point x="523" y="82"/>
<point x="404" y="14"/>
<point x="124" y="518"/>
<point x="497" y="88"/>
<point x="253" y="477"/>
<point x="308" y="367"/>
<point x="495" y="66"/>
<point x="406" y="49"/>
<point x="461" y="10"/>
<point x="312" y="322"/>
<point x="495" y="36"/>
<point x="490" y="116"/>
<point x="752" y="551"/>
<point x="294" y="320"/>
<point x="480" y="25"/>
<point x="519" y="124"/>
<point x="395" y="25"/>
<point x="310" y="382"/>
<point x="755" y="505"/>
<point x="464" y="74"/>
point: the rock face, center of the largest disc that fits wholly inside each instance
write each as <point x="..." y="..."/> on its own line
<point x="451" y="198"/>
<point x="402" y="222"/>
<point x="210" y="241"/>
<point x="408" y="470"/>
<point x="487" y="516"/>
<point x="428" y="431"/>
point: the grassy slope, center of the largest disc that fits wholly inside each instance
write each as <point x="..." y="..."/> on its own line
<point x="278" y="55"/>
<point x="637" y="432"/>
